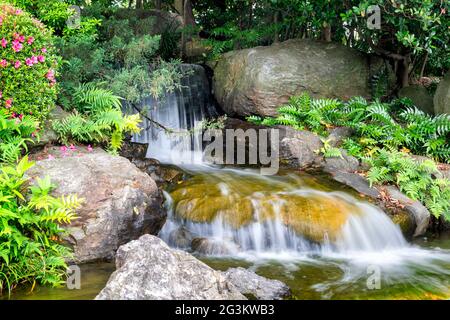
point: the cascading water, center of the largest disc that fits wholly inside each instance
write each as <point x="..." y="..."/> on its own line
<point x="327" y="240"/>
<point x="181" y="111"/>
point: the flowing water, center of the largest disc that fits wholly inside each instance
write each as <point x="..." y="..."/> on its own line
<point x="319" y="238"/>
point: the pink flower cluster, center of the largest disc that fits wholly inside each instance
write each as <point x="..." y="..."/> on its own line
<point x="51" y="77"/>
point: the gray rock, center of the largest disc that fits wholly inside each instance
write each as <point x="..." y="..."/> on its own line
<point x="299" y="148"/>
<point x="213" y="247"/>
<point x="419" y="96"/>
<point x="120" y="202"/>
<point x="249" y="283"/>
<point x="345" y="163"/>
<point x="259" y="80"/>
<point x="355" y="181"/>
<point x="48" y="135"/>
<point x="147" y="269"/>
<point x="442" y="96"/>
<point x="338" y="135"/>
<point x="420" y="214"/>
<point x="180" y="238"/>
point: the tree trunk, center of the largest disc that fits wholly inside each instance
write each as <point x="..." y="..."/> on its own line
<point x="139" y="4"/>
<point x="326" y="32"/>
<point x="158" y="4"/>
<point x="275" y="21"/>
<point x="403" y="73"/>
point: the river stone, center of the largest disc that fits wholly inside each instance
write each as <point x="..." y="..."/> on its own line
<point x="419" y="96"/>
<point x="147" y="269"/>
<point x="180" y="238"/>
<point x="418" y="212"/>
<point x="120" y="202"/>
<point x="251" y="284"/>
<point x="259" y="80"/>
<point x="299" y="148"/>
<point x="316" y="216"/>
<point x="442" y="96"/>
<point x="213" y="247"/>
<point x="338" y="135"/>
<point x="346" y="163"/>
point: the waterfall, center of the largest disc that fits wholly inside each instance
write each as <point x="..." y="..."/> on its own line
<point x="181" y="111"/>
<point x="368" y="229"/>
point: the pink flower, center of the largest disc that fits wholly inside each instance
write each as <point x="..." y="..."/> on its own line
<point x="21" y="38"/>
<point x="4" y="42"/>
<point x="72" y="147"/>
<point x="89" y="148"/>
<point x="63" y="149"/>
<point x="34" y="59"/>
<point x="50" y="74"/>
<point x="17" y="64"/>
<point x="50" y="157"/>
<point x="3" y="63"/>
<point x="41" y="58"/>
<point x="16" y="45"/>
<point x="1" y="94"/>
<point x="44" y="50"/>
<point x="18" y="12"/>
<point x="30" y="40"/>
<point x="8" y="103"/>
<point x="28" y="62"/>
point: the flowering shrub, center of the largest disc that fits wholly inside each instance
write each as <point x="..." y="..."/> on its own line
<point x="27" y="64"/>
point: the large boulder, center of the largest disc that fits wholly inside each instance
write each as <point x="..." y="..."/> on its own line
<point x="442" y="96"/>
<point x="147" y="269"/>
<point x="251" y="284"/>
<point x="419" y="96"/>
<point x="120" y="202"/>
<point x="258" y="80"/>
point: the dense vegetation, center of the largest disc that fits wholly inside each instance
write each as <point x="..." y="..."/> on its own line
<point x="383" y="136"/>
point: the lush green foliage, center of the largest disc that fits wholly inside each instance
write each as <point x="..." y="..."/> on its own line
<point x="414" y="178"/>
<point x="120" y="55"/>
<point x="97" y="119"/>
<point x="15" y="132"/>
<point x="30" y="233"/>
<point x="376" y="125"/>
<point x="27" y="64"/>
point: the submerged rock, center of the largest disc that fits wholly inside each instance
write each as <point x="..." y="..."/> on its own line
<point x="259" y="80"/>
<point x="147" y="269"/>
<point x="251" y="284"/>
<point x="213" y="247"/>
<point x="120" y="202"/>
<point x="180" y="238"/>
<point x="243" y="200"/>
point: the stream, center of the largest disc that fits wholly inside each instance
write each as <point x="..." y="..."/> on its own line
<point x="321" y="239"/>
